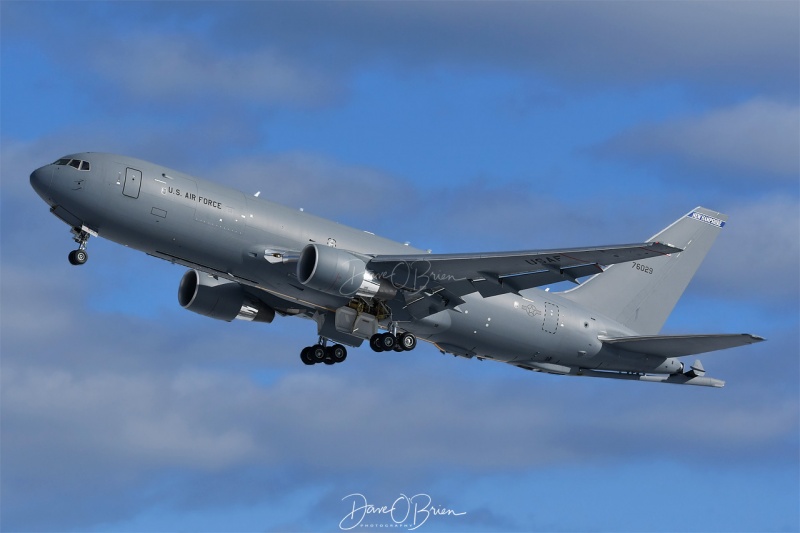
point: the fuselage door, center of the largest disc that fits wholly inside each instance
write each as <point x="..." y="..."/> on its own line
<point x="133" y="182"/>
<point x="551" y="318"/>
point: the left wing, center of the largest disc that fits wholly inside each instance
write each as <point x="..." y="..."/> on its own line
<point x="447" y="277"/>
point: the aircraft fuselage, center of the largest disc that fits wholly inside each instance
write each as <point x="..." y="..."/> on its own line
<point x="221" y="231"/>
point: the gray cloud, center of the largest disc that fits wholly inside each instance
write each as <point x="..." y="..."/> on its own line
<point x="292" y="55"/>
<point x="747" y="44"/>
<point x="163" y="68"/>
<point x="318" y="184"/>
<point x="759" y="139"/>
<point x="763" y="231"/>
<point x="178" y="69"/>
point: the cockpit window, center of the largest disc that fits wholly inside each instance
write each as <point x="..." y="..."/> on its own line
<point x="76" y="163"/>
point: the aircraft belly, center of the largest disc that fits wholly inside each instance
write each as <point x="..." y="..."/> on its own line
<point x="431" y="327"/>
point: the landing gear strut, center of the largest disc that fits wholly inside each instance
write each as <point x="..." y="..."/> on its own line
<point x="79" y="256"/>
<point x="321" y="353"/>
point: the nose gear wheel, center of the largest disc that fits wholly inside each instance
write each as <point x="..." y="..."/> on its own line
<point x="78" y="257"/>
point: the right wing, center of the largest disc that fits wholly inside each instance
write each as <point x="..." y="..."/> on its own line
<point x="433" y="282"/>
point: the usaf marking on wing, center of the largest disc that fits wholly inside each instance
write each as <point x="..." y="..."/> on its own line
<point x="254" y="259"/>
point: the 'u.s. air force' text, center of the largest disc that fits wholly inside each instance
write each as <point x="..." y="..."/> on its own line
<point x="192" y="197"/>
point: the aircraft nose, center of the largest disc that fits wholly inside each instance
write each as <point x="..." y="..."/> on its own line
<point x="41" y="180"/>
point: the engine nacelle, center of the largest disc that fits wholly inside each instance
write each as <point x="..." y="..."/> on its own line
<point x="341" y="273"/>
<point x="220" y="299"/>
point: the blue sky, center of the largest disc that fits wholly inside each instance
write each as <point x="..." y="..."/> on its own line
<point x="457" y="127"/>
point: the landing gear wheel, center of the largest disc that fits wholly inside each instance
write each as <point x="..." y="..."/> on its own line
<point x="317" y="353"/>
<point x="305" y="356"/>
<point x="78" y="257"/>
<point x="338" y="353"/>
<point x="330" y="355"/>
<point x="329" y="360"/>
<point x="388" y="341"/>
<point x="375" y="342"/>
<point x="407" y="340"/>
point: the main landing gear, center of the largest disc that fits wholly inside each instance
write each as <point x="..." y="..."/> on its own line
<point x="79" y="256"/>
<point x="387" y="342"/>
<point x="380" y="342"/>
<point x="321" y="353"/>
<point x="392" y="340"/>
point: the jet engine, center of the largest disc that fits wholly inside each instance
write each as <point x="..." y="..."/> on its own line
<point x="341" y="273"/>
<point x="221" y="299"/>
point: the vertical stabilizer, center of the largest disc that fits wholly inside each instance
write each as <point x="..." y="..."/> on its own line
<point x="642" y="294"/>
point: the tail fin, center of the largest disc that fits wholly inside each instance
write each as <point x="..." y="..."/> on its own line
<point x="641" y="295"/>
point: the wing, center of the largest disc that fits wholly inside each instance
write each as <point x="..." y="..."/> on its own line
<point x="681" y="345"/>
<point x="434" y="282"/>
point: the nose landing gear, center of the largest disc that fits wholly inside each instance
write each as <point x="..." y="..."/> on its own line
<point x="81" y="236"/>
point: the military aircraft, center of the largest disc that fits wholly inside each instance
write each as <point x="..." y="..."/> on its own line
<point x="251" y="259"/>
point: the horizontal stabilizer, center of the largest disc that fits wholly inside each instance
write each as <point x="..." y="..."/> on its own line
<point x="680" y="345"/>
